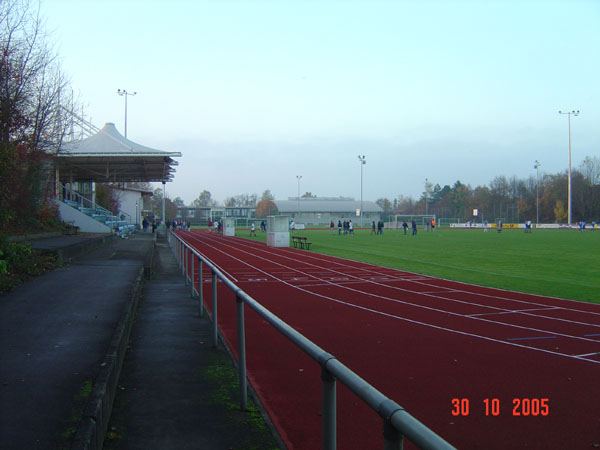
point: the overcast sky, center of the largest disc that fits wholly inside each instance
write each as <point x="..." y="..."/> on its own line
<point x="254" y="93"/>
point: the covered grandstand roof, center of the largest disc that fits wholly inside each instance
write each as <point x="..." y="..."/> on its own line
<point x="325" y="205"/>
<point x="109" y="156"/>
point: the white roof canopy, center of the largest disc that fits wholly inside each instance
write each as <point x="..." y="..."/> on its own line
<point x="108" y="156"/>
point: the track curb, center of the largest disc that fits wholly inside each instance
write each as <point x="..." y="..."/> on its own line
<point x="93" y="425"/>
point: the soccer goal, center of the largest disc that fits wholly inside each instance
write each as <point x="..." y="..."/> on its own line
<point x="423" y="220"/>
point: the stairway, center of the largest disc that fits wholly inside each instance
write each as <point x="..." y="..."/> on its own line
<point x="118" y="224"/>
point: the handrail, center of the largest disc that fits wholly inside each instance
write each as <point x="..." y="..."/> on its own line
<point x="85" y="201"/>
<point x="397" y="421"/>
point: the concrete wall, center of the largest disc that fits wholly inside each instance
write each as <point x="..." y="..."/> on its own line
<point x="85" y="223"/>
<point x="128" y="201"/>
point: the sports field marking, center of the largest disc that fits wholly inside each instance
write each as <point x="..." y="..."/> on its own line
<point x="409" y="303"/>
<point x="204" y="269"/>
<point x="531" y="338"/>
<point x="418" y="278"/>
<point x="262" y="249"/>
<point x="515" y="311"/>
<point x="393" y="316"/>
<point x="587" y="354"/>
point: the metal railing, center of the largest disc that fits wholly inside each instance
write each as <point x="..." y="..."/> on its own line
<point x="67" y="193"/>
<point x="397" y="422"/>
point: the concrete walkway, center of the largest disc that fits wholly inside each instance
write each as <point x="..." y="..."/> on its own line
<point x="54" y="333"/>
<point x="175" y="390"/>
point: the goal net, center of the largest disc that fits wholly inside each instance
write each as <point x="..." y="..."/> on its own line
<point x="423" y="220"/>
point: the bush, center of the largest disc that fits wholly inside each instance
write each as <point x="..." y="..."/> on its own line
<point x="18" y="262"/>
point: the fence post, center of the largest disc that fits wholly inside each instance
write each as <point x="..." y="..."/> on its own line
<point x="242" y="353"/>
<point x="329" y="411"/>
<point x="185" y="265"/>
<point x="200" y="284"/>
<point x="392" y="438"/>
<point x="192" y="276"/>
<point x="214" y="310"/>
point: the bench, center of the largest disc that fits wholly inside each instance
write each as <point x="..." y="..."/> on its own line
<point x="301" y="241"/>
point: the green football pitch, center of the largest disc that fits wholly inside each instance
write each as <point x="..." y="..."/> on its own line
<point x="558" y="263"/>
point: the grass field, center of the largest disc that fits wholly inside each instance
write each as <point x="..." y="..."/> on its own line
<point x="557" y="263"/>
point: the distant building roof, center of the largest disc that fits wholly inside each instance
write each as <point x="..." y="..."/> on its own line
<point x="321" y="205"/>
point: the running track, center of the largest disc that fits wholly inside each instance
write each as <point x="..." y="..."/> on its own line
<point x="420" y="340"/>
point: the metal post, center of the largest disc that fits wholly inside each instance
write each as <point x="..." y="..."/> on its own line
<point x="299" y="177"/>
<point x="537" y="194"/>
<point x="200" y="284"/>
<point x="192" y="275"/>
<point x="568" y="114"/>
<point x="329" y="411"/>
<point x="363" y="161"/>
<point x="392" y="438"/>
<point x="214" y="311"/>
<point x="185" y="265"/>
<point x="569" y="199"/>
<point x="242" y="354"/>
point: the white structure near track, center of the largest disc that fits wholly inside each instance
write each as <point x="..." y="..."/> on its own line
<point x="278" y="231"/>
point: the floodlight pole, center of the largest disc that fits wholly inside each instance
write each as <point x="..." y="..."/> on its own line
<point x="426" y="199"/>
<point x="363" y="161"/>
<point x="298" y="177"/>
<point x="124" y="93"/>
<point x="568" y="114"/>
<point x="536" y="166"/>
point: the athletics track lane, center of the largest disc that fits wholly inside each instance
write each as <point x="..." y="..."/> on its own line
<point x="419" y="366"/>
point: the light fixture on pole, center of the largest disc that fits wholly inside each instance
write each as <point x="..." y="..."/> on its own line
<point x="426" y="195"/>
<point x="363" y="161"/>
<point x="536" y="166"/>
<point x="569" y="114"/>
<point x="124" y="93"/>
<point x="298" y="177"/>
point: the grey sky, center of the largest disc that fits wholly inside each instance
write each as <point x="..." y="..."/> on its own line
<point x="254" y="93"/>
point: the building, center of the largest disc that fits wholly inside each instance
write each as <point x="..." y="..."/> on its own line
<point x="322" y="210"/>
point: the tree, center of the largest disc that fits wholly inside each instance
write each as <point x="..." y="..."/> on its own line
<point x="308" y="195"/>
<point x="32" y="121"/>
<point x="179" y="203"/>
<point x="265" y="208"/>
<point x="386" y="205"/>
<point x="204" y="200"/>
<point x="267" y="195"/>
<point x="560" y="214"/>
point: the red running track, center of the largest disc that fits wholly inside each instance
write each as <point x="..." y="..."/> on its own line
<point x="420" y="340"/>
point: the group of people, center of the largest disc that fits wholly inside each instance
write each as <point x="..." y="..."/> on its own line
<point x="153" y="224"/>
<point x="413" y="225"/>
<point x="377" y="228"/>
<point x="344" y="227"/>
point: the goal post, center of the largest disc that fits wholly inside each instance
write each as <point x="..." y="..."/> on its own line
<point x="422" y="220"/>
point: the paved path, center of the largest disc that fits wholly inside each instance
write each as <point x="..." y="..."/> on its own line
<point x="176" y="391"/>
<point x="54" y="331"/>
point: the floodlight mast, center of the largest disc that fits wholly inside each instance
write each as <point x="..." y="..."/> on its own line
<point x="363" y="161"/>
<point x="569" y="114"/>
<point x="298" y="177"/>
<point x="536" y="166"/>
<point x="124" y="93"/>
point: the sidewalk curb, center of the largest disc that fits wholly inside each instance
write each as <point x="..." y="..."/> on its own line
<point x="93" y="426"/>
